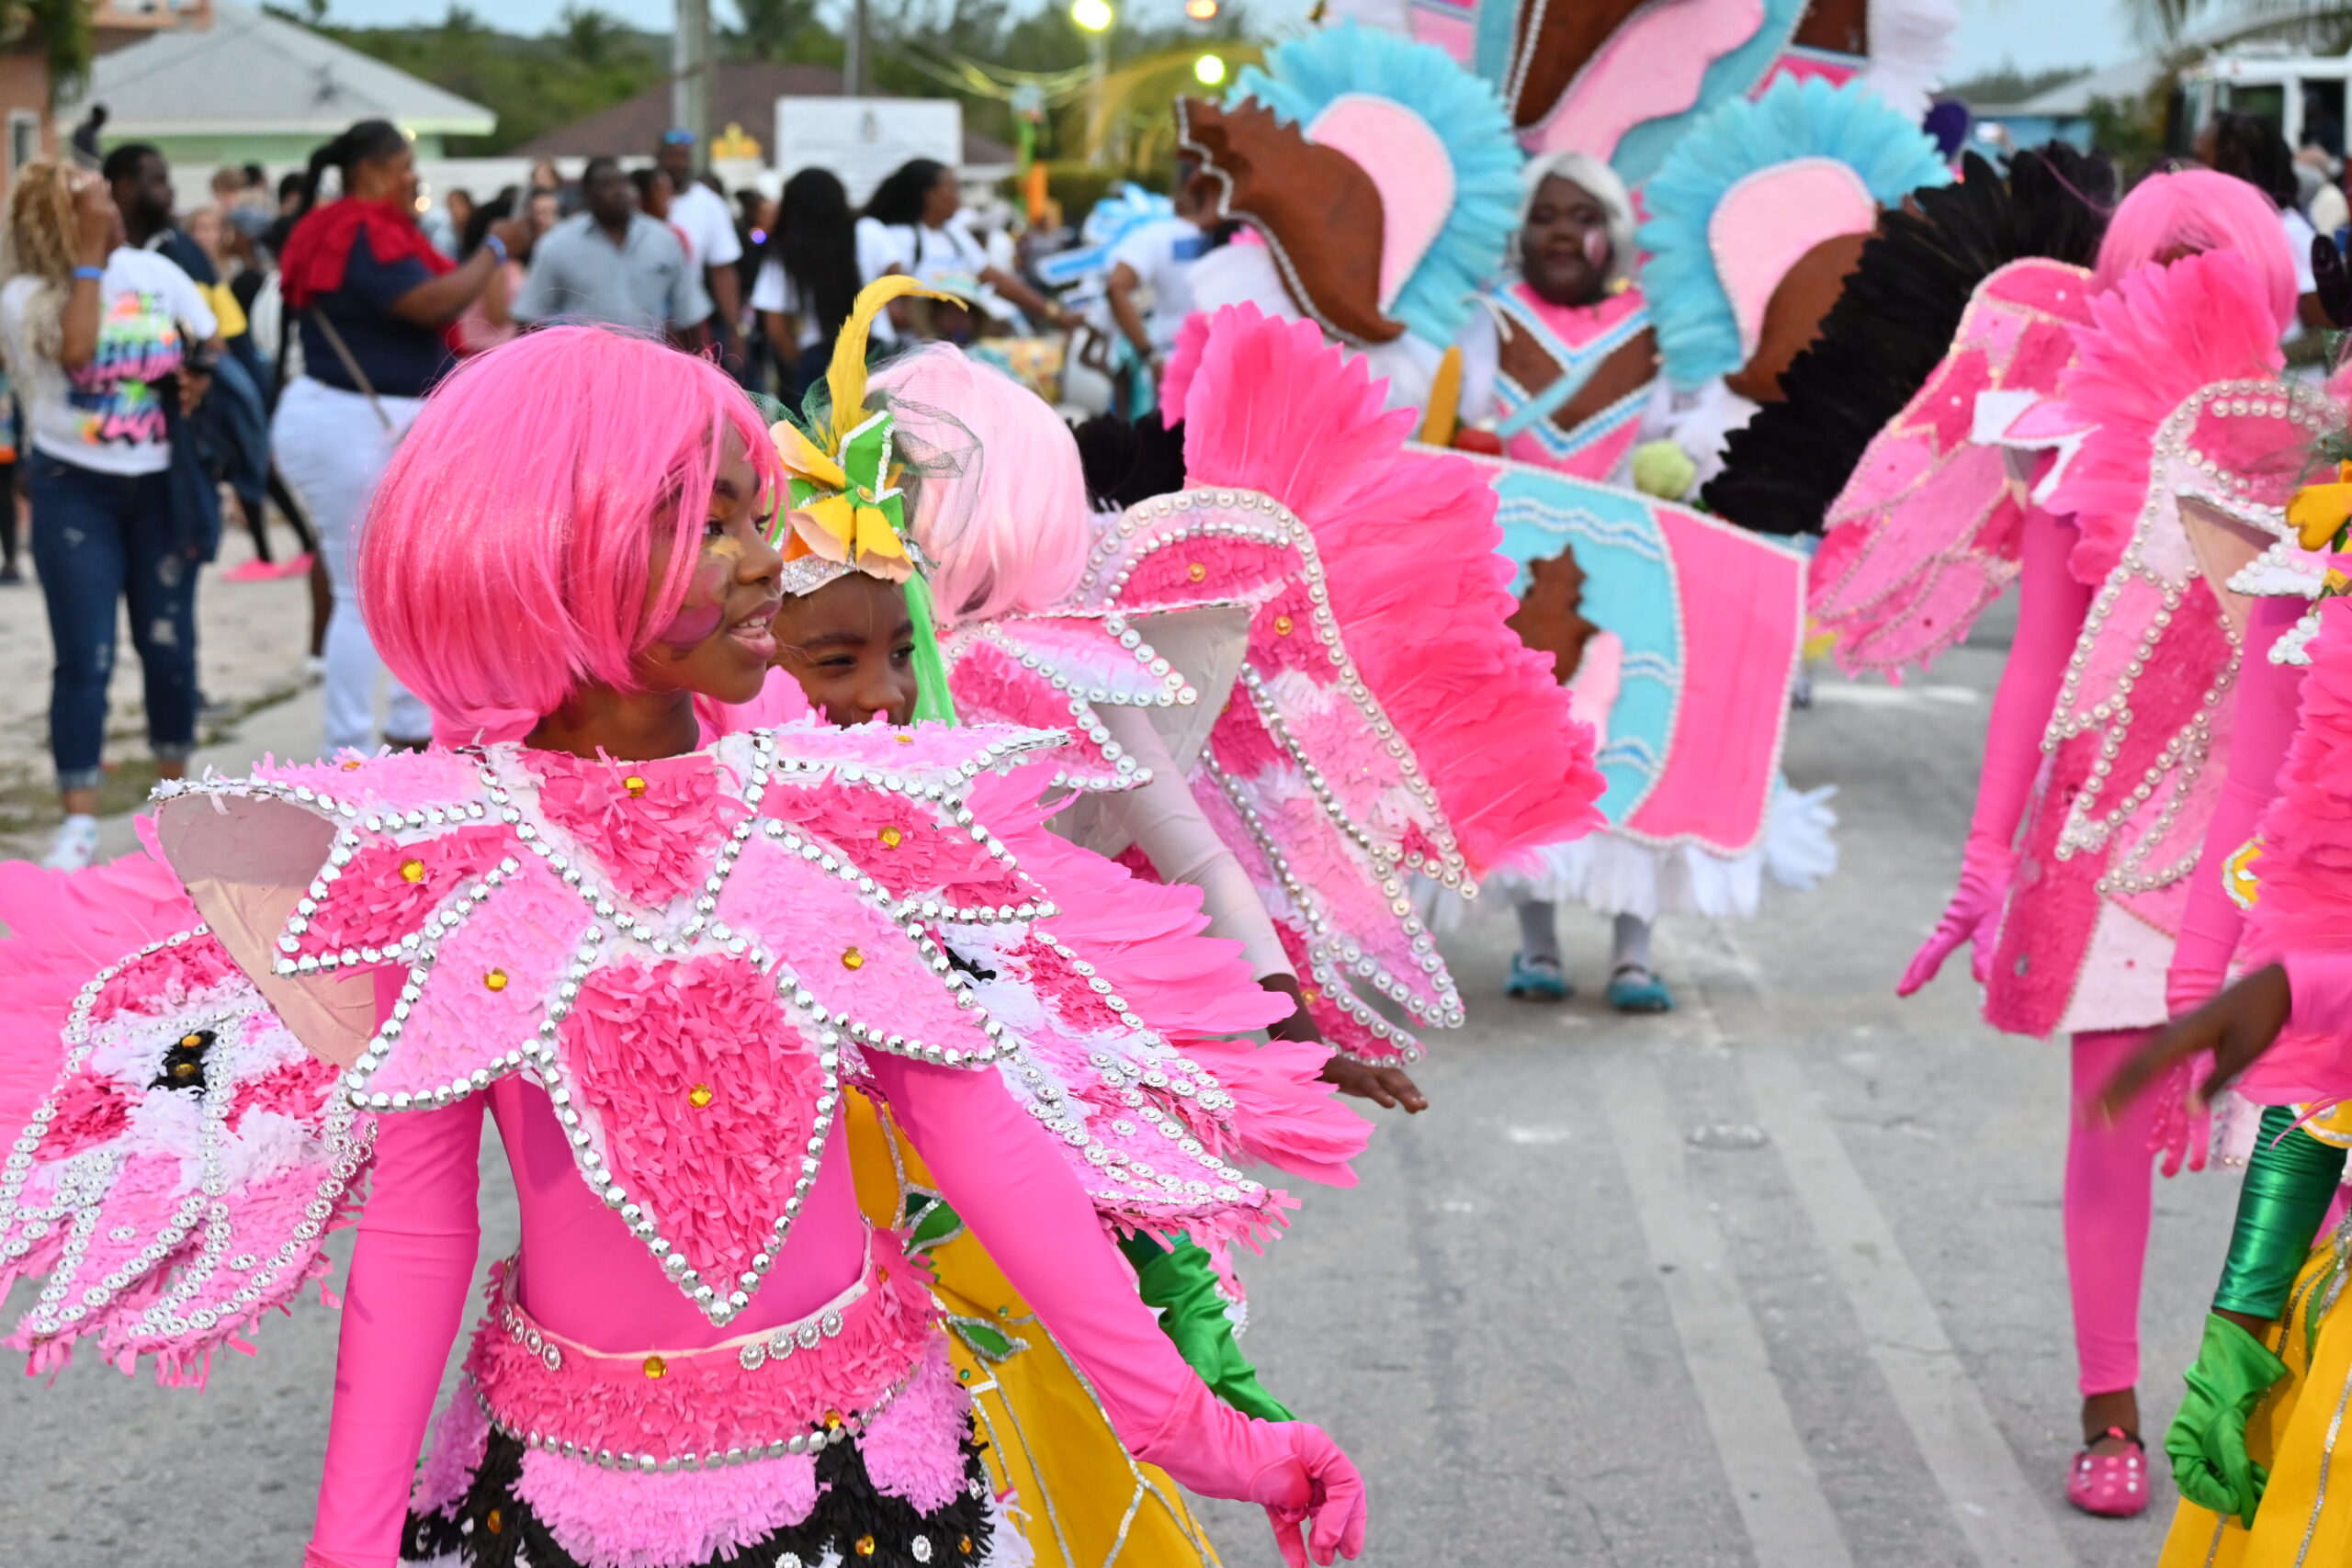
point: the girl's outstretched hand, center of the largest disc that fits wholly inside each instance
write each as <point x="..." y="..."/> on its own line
<point x="1318" y="1490"/>
<point x="1984" y="871"/>
<point x="2237" y="1026"/>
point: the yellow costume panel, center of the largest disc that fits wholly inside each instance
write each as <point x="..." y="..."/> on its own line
<point x="1080" y="1501"/>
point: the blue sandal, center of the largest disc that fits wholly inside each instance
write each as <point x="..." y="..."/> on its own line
<point x="1537" y="980"/>
<point x="1634" y="988"/>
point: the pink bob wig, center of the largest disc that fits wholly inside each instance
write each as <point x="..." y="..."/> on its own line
<point x="504" y="559"/>
<point x="1007" y="531"/>
<point x="2197" y="209"/>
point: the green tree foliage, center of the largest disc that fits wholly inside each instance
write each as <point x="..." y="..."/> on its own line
<point x="61" y="29"/>
<point x="590" y="60"/>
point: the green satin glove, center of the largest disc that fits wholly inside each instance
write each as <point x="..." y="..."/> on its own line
<point x="1182" y="1285"/>
<point x="2207" y="1440"/>
<point x="2290" y="1181"/>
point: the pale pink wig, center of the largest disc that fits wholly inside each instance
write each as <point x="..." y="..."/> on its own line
<point x="1007" y="530"/>
<point x="504" y="558"/>
<point x="2197" y="209"/>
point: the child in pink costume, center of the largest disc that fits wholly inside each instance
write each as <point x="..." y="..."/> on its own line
<point x="2070" y="929"/>
<point x="701" y="1350"/>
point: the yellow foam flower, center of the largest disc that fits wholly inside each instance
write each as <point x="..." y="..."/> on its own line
<point x="2318" y="512"/>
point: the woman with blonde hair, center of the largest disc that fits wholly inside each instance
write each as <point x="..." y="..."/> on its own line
<point x="104" y="344"/>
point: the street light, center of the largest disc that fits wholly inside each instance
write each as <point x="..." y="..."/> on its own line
<point x="1208" y="69"/>
<point x="1096" y="17"/>
<point x="1201" y="10"/>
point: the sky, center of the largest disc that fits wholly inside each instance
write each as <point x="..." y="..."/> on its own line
<point x="2034" y="35"/>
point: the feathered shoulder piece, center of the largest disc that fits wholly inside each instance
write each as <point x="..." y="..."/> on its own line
<point x="1754" y="196"/>
<point x="1383" y="176"/>
<point x="2177" y="376"/>
<point x="1924" y="532"/>
<point x="1897" y="318"/>
<point x="1379" y="671"/>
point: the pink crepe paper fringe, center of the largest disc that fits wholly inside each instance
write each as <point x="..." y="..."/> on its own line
<point x="2305" y="903"/>
<point x="2162" y="333"/>
<point x="1411" y="551"/>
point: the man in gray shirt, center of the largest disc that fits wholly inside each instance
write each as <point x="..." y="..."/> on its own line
<point x="613" y="263"/>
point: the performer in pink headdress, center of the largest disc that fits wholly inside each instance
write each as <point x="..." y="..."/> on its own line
<point x="2155" y="474"/>
<point x="657" y="966"/>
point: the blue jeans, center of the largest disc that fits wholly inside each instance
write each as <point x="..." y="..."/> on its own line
<point x="97" y="538"/>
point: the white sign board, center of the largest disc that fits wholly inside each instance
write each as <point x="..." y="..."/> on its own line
<point x="862" y="140"/>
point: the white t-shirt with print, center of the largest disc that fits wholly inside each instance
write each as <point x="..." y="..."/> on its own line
<point x="108" y="416"/>
<point x="700" y="215"/>
<point x="1160" y="254"/>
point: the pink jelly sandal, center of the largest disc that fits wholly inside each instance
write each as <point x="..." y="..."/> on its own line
<point x="2114" y="1486"/>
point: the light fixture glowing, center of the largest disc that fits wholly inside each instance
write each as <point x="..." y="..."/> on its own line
<point x="1094" y="15"/>
<point x="1201" y="10"/>
<point x="1208" y="69"/>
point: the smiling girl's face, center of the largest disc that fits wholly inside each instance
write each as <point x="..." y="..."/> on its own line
<point x="720" y="643"/>
<point x="851" y="644"/>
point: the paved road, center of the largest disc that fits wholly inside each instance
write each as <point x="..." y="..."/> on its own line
<point x="1774" y="1279"/>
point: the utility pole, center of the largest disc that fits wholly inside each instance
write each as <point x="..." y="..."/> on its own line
<point x="690" y="75"/>
<point x="854" y="51"/>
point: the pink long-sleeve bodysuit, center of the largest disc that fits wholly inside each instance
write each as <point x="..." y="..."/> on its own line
<point x="2108" y="1167"/>
<point x="585" y="1276"/>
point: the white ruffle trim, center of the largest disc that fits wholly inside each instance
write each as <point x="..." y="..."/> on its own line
<point x="1911" y="45"/>
<point x="1612" y="874"/>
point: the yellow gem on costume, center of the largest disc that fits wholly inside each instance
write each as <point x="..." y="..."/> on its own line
<point x="904" y="739"/>
<point x="1196" y="571"/>
<point x="832" y="1420"/>
<point x="1282" y="625"/>
<point x="1310" y="995"/>
<point x="190" y="1041"/>
<point x="2239" y="879"/>
<point x="699" y="1096"/>
<point x="866" y="1546"/>
<point x="965" y="1546"/>
<point x="889" y="836"/>
<point x="411" y="871"/>
<point x="495" y="980"/>
<point x="494" y="1522"/>
<point x="351" y="766"/>
<point x="655" y="1366"/>
<point x="852" y="959"/>
<point x="182" y="1069"/>
<point x="635" y="785"/>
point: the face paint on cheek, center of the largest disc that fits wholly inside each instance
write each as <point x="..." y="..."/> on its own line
<point x="1596" y="249"/>
<point x="705" y="602"/>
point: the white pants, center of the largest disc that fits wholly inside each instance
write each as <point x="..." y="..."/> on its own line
<point x="332" y="449"/>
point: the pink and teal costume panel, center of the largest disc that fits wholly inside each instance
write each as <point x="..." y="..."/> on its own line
<point x="1711" y="620"/>
<point x="657" y="976"/>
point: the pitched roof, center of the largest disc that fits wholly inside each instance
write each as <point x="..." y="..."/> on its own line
<point x="743" y="92"/>
<point x="254" y="74"/>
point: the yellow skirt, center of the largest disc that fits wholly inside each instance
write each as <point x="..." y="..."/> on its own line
<point x="2305" y="1520"/>
<point x="1078" y="1498"/>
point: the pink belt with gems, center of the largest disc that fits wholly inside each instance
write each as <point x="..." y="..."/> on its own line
<point x="787" y="1390"/>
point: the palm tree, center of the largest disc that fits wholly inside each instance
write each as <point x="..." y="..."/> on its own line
<point x="2319" y="26"/>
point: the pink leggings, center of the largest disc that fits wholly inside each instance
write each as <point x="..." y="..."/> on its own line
<point x="2110" y="1170"/>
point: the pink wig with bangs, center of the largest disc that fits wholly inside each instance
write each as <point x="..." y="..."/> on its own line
<point x="1007" y="533"/>
<point x="504" y="558"/>
<point x="2197" y="209"/>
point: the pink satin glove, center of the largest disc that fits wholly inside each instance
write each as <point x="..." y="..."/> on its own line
<point x="1984" y="871"/>
<point x="1292" y="1469"/>
<point x="1000" y="1172"/>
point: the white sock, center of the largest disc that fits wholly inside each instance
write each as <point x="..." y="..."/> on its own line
<point x="1632" y="935"/>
